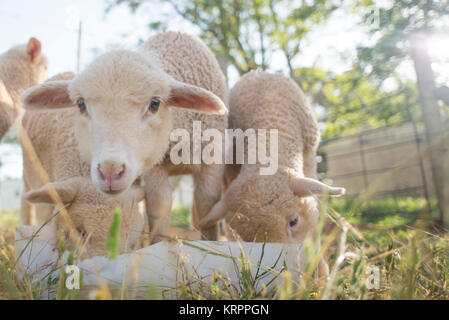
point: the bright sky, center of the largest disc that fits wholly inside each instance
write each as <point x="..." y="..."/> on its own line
<point x="55" y="24"/>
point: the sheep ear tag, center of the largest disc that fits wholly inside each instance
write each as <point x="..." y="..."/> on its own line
<point x="191" y="97"/>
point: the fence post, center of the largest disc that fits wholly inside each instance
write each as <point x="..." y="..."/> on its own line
<point x="432" y="121"/>
<point x="362" y="157"/>
<point x="418" y="150"/>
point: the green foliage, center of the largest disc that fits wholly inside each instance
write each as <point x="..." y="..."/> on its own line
<point x="113" y="241"/>
<point x="353" y="101"/>
<point x="9" y="218"/>
<point x="247" y="34"/>
<point x="385" y="219"/>
<point x="394" y="25"/>
<point x="353" y="206"/>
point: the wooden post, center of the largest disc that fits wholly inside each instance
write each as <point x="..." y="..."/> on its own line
<point x="224" y="63"/>
<point x="419" y="153"/>
<point x="432" y="120"/>
<point x="362" y="158"/>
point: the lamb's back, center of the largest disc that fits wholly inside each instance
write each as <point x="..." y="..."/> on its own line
<point x="187" y="59"/>
<point x="273" y="101"/>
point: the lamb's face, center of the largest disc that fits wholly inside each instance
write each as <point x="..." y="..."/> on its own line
<point x="288" y="219"/>
<point x="91" y="213"/>
<point x="124" y="122"/>
<point x="283" y="207"/>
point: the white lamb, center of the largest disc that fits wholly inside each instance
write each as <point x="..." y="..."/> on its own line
<point x="52" y="136"/>
<point x="125" y="117"/>
<point x="281" y="206"/>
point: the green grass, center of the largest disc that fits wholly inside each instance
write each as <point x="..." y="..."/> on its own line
<point x="113" y="242"/>
<point x="9" y="218"/>
<point x="8" y="222"/>
<point x="380" y="211"/>
<point x="180" y="217"/>
<point x="413" y="260"/>
<point x="382" y="220"/>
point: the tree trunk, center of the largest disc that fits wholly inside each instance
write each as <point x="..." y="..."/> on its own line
<point x="223" y="62"/>
<point x="432" y="121"/>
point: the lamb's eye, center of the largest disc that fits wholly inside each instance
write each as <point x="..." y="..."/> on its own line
<point x="81" y="105"/>
<point x="82" y="234"/>
<point x="154" y="104"/>
<point x="293" y="222"/>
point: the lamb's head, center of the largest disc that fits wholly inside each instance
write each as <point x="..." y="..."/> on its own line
<point x="30" y="61"/>
<point x="287" y="220"/>
<point x="124" y="123"/>
<point x="283" y="209"/>
<point x="91" y="212"/>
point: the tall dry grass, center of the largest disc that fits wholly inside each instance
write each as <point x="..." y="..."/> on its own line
<point x="410" y="264"/>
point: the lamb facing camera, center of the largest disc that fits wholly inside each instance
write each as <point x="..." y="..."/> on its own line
<point x="129" y="101"/>
<point x="52" y="136"/>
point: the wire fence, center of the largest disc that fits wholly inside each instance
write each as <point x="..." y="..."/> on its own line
<point x="384" y="162"/>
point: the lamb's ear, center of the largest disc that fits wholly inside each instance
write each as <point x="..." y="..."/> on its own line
<point x="303" y="187"/>
<point x="66" y="190"/>
<point x="49" y="95"/>
<point x="195" y="98"/>
<point x="33" y="50"/>
<point x="217" y="213"/>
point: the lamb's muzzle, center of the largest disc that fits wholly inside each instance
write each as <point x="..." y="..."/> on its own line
<point x="110" y="174"/>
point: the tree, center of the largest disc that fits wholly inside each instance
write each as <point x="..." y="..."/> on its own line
<point x="354" y="102"/>
<point x="247" y="34"/>
<point x="394" y="26"/>
<point x="402" y="28"/>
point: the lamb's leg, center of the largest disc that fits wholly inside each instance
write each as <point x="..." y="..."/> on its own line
<point x="207" y="192"/>
<point x="158" y="202"/>
<point x="5" y="118"/>
<point x="231" y="172"/>
<point x="27" y="214"/>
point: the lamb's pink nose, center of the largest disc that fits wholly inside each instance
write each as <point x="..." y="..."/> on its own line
<point x="111" y="172"/>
